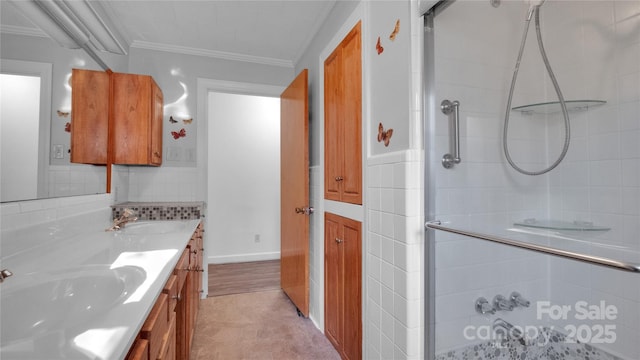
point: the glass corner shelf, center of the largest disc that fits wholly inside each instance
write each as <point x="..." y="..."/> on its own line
<point x="561" y="225"/>
<point x="553" y="107"/>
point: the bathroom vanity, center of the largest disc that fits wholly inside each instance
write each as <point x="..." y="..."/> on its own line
<point x="80" y="292"/>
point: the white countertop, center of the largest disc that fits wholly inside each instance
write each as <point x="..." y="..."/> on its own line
<point x="85" y="294"/>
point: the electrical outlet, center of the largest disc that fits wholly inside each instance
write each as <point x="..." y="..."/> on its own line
<point x="256" y="238"/>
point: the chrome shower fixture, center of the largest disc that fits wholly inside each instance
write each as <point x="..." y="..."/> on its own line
<point x="501" y="303"/>
<point x="483" y="306"/>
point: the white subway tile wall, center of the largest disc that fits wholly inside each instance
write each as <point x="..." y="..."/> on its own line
<point x="394" y="259"/>
<point x="594" y="49"/>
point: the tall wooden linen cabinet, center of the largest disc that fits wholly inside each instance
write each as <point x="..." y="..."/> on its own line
<point x="343" y="183"/>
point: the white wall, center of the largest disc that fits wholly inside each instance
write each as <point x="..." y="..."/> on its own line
<point x="244" y="186"/>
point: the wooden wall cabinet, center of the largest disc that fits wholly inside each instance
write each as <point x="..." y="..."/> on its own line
<point x="118" y="115"/>
<point x="136" y="125"/>
<point x="89" y="116"/>
<point x="343" y="120"/>
<point x="343" y="285"/>
<point x="167" y="333"/>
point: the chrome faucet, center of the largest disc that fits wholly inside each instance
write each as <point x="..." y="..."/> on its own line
<point x="5" y="274"/>
<point x="518" y="300"/>
<point x="127" y="216"/>
<point x="483" y="306"/>
<point x="508" y="331"/>
<point x="501" y="303"/>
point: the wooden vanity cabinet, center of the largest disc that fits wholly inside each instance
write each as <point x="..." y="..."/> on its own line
<point x="167" y="333"/>
<point x="136" y="124"/>
<point x="89" y="116"/>
<point x="343" y="121"/>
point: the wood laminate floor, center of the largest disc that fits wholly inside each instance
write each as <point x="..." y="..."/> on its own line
<point x="239" y="278"/>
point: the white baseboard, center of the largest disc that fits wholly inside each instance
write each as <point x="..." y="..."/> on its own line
<point x="225" y="259"/>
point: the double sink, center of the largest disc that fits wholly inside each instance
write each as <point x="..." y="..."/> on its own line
<point x="55" y="311"/>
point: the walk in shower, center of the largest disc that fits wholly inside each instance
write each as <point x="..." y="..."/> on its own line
<point x="542" y="263"/>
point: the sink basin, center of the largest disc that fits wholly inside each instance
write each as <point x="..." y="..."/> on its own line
<point x="153" y="227"/>
<point x="37" y="303"/>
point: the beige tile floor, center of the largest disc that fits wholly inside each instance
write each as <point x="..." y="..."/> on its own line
<point x="258" y="325"/>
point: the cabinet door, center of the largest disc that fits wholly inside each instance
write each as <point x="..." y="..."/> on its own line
<point x="352" y="112"/>
<point x="333" y="279"/>
<point x="333" y="138"/>
<point x="352" y="288"/>
<point x="89" y="116"/>
<point x="343" y="285"/>
<point x="343" y="120"/>
<point x="156" y="124"/>
<point x="137" y="120"/>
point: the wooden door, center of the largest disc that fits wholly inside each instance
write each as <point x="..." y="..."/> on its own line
<point x="294" y="192"/>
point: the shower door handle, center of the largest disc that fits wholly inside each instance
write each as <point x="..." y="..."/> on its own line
<point x="452" y="108"/>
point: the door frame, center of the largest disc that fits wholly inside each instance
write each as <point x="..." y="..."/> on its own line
<point x="204" y="87"/>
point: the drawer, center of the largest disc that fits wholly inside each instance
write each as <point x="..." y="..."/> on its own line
<point x="171" y="289"/>
<point x="139" y="350"/>
<point x="168" y="348"/>
<point x="182" y="268"/>
<point x="156" y="326"/>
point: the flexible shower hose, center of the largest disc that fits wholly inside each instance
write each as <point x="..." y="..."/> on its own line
<point x="558" y="92"/>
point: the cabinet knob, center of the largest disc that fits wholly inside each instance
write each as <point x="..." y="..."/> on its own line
<point x="339" y="178"/>
<point x="339" y="240"/>
<point x="194" y="251"/>
<point x="176" y="297"/>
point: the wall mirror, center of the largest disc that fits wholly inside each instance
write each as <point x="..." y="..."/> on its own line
<point x="35" y="158"/>
<point x="35" y="142"/>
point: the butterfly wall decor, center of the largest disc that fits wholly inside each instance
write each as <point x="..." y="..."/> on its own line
<point x="67" y="127"/>
<point x="172" y="120"/>
<point x="187" y="121"/>
<point x="395" y="31"/>
<point x="178" y="134"/>
<point x="379" y="47"/>
<point x="384" y="135"/>
<point x="63" y="113"/>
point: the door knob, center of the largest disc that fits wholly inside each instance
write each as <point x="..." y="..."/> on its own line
<point x="305" y="210"/>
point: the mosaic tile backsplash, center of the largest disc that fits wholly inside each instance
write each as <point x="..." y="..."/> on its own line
<point x="162" y="211"/>
<point x="551" y="345"/>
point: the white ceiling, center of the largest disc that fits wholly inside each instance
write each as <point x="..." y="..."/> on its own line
<point x="263" y="31"/>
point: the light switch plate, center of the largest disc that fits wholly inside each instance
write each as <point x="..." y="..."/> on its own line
<point x="58" y="151"/>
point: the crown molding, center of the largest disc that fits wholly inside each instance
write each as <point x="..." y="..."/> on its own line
<point x="22" y="30"/>
<point x="211" y="53"/>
